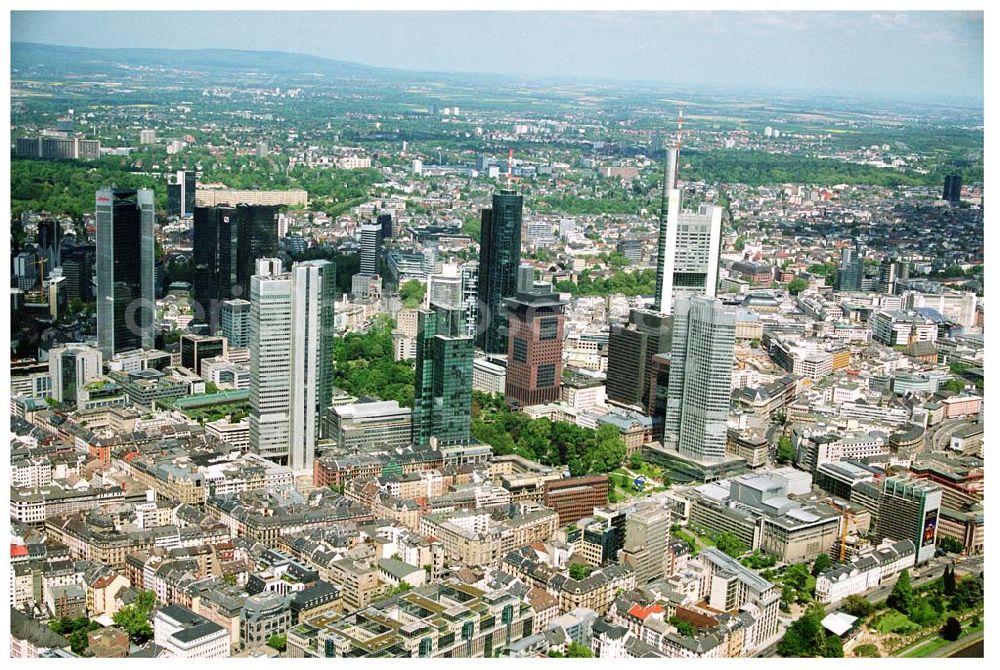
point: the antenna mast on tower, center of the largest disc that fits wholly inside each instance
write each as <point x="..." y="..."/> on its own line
<point x="510" y="162"/>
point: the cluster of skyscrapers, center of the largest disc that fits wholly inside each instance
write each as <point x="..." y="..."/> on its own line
<point x="673" y="361"/>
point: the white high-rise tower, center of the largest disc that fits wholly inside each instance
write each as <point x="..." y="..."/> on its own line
<point x="287" y="346"/>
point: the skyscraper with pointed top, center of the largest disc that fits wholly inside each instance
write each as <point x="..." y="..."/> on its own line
<point x="687" y="262"/>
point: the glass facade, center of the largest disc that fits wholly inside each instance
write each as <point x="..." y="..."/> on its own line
<point x="442" y="399"/>
<point x="499" y="258"/>
<point x="125" y="305"/>
<point x="227" y="243"/>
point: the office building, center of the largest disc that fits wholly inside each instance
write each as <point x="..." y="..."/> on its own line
<point x="326" y="271"/>
<point x="371" y="247"/>
<point x="850" y="271"/>
<point x="479" y="625"/>
<point x="184" y="634"/>
<point x="196" y="348"/>
<point x="890" y="273"/>
<point x="908" y="510"/>
<point x="369" y="426"/>
<point x="71" y="367"/>
<point x="647" y="532"/>
<point x="230" y="196"/>
<point x="442" y="399"/>
<point x="57" y="147"/>
<point x="446" y="290"/>
<point x="235" y="323"/>
<point x="631" y="348"/>
<point x="125" y="248"/>
<point x="50" y="244"/>
<point x="535" y="345"/>
<point x="26" y="270"/>
<point x="499" y="257"/>
<point x="264" y="615"/>
<point x="291" y="359"/>
<point x="574" y="498"/>
<point x="181" y="191"/>
<point x="385" y="221"/>
<point x="704" y="338"/>
<point x="727" y="585"/>
<point x="270" y="360"/>
<point x="78" y="269"/>
<point x="687" y="262"/>
<point x="147" y="137"/>
<point x="227" y="243"/>
<point x="470" y="296"/>
<point x="952" y="188"/>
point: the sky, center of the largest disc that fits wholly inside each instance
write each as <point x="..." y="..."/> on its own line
<point x="897" y="54"/>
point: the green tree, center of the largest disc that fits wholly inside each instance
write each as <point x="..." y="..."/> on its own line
<point x="576" y="650"/>
<point x="799" y="578"/>
<point x="797" y="285"/>
<point x="806" y="637"/>
<point x="730" y="544"/>
<point x="922" y="612"/>
<point x="857" y="605"/>
<point x="580" y="571"/>
<point x="412" y="293"/>
<point x="134" y="621"/>
<point x="950" y="544"/>
<point x="866" y="651"/>
<point x="951" y="630"/>
<point x="948" y="579"/>
<point x="821" y="563"/>
<point x="786" y="452"/>
<point x="901" y="597"/>
<point x="684" y="628"/>
<point x="968" y="594"/>
<point x="279" y="642"/>
<point x="610" y="449"/>
<point x="400" y="588"/>
<point x="75" y="630"/>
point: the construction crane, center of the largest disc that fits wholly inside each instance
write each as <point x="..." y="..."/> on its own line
<point x="41" y="271"/>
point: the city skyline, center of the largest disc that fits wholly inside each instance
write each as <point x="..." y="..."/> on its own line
<point x="892" y="54"/>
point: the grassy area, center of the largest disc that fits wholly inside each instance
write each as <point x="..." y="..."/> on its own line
<point x="926" y="648"/>
<point x="894" y="622"/>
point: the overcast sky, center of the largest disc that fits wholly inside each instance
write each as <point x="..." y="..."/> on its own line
<point x="907" y="54"/>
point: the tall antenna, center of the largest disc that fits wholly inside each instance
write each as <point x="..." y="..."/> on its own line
<point x="510" y="161"/>
<point x="677" y="146"/>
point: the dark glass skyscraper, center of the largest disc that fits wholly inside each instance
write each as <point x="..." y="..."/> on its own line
<point x="385" y="220"/>
<point x="227" y="243"/>
<point x="499" y="258"/>
<point x="850" y="271"/>
<point x="125" y="302"/>
<point x="631" y="348"/>
<point x="952" y="188"/>
<point x="78" y="268"/>
<point x="181" y="194"/>
<point x="442" y="394"/>
<point x="50" y="243"/>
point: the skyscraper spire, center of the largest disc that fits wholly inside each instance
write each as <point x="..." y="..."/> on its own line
<point x="510" y="162"/>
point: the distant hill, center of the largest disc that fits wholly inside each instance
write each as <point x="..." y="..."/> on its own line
<point x="82" y="60"/>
